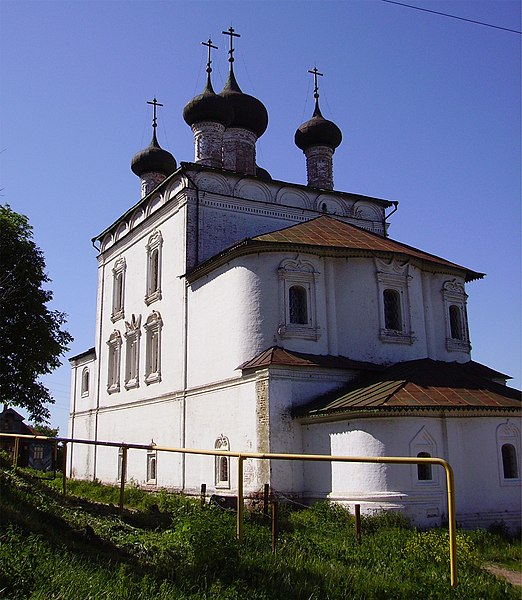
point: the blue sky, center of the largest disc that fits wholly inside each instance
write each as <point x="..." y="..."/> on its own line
<point x="429" y="107"/>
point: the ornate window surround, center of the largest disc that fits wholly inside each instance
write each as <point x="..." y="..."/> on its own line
<point x="118" y="289"/>
<point x="154" y="252"/>
<point x="394" y="275"/>
<point x="222" y="463"/>
<point x="132" y="353"/>
<point x="423" y="444"/>
<point x="454" y="294"/>
<point x="302" y="274"/>
<point x="113" y="372"/>
<point x="508" y="433"/>
<point x="153" y="327"/>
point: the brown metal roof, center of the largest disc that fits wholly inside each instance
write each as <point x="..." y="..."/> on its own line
<point x="276" y="356"/>
<point x="327" y="231"/>
<point x="326" y="234"/>
<point x="420" y="384"/>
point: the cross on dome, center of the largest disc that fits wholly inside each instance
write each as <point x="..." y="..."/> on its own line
<point x="209" y="46"/>
<point x="231" y="32"/>
<point x="315" y="73"/>
<point x="155" y="103"/>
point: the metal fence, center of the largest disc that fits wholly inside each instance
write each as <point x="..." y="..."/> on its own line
<point x="242" y="456"/>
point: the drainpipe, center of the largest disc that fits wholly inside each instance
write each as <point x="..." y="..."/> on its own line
<point x="98" y="359"/>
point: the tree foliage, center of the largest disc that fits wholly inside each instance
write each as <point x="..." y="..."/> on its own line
<point x="31" y="335"/>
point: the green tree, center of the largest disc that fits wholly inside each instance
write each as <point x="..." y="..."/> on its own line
<point x="31" y="336"/>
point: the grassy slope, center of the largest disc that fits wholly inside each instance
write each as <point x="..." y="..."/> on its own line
<point x="167" y="547"/>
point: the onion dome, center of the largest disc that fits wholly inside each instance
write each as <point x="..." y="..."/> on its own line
<point x="318" y="131"/>
<point x="208" y="106"/>
<point x="249" y="112"/>
<point x="153" y="159"/>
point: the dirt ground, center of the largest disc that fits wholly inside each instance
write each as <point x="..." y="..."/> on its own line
<point x="514" y="577"/>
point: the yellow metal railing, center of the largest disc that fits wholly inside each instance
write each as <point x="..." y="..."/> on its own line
<point x="242" y="456"/>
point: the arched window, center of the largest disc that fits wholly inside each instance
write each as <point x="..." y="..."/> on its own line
<point x="222" y="463"/>
<point x="153" y="327"/>
<point x="392" y="310"/>
<point x="151" y="467"/>
<point x="297" y="304"/>
<point x="324" y="208"/>
<point x="154" y="271"/>
<point x="456" y="330"/>
<point x="424" y="469"/>
<point x="85" y="382"/>
<point x="118" y="290"/>
<point x="509" y="461"/>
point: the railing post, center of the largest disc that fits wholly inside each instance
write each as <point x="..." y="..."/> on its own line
<point x="452" y="523"/>
<point x="275" y="524"/>
<point x="123" y="475"/>
<point x="239" y="529"/>
<point x="64" y="469"/>
<point x="266" y="496"/>
<point x="203" y="493"/>
<point x="15" y="452"/>
<point x="358" y="522"/>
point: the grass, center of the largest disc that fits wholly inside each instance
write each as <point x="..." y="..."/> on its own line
<point x="165" y="546"/>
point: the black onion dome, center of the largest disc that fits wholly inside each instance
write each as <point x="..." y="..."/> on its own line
<point x="153" y="160"/>
<point x="249" y="112"/>
<point x="318" y="131"/>
<point x="208" y="106"/>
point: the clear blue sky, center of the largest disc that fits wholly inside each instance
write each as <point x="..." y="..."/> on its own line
<point x="429" y="107"/>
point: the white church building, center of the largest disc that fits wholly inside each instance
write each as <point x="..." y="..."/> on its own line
<point x="239" y="312"/>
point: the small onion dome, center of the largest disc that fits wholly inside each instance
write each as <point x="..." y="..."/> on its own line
<point x="318" y="131"/>
<point x="153" y="160"/>
<point x="208" y="106"/>
<point x="249" y="112"/>
<point x="263" y="173"/>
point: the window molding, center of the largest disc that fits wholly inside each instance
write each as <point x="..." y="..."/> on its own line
<point x="423" y="445"/>
<point x="393" y="282"/>
<point x="113" y="371"/>
<point x="154" y="255"/>
<point x="302" y="278"/>
<point x="132" y="352"/>
<point x="153" y="328"/>
<point x="222" y="464"/>
<point x="455" y="313"/>
<point x="508" y="435"/>
<point x="118" y="289"/>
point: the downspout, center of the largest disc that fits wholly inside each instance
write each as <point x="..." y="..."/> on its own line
<point x="73" y="418"/>
<point x="98" y="359"/>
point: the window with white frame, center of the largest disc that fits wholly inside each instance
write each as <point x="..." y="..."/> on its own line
<point x="153" y="327"/>
<point x="297" y="283"/>
<point x="508" y="444"/>
<point x="118" y="289"/>
<point x="393" y="282"/>
<point x="222" y="463"/>
<point x="151" y="466"/>
<point x="154" y="247"/>
<point x="85" y="382"/>
<point x="113" y="364"/>
<point x="132" y="352"/>
<point x="457" y="337"/>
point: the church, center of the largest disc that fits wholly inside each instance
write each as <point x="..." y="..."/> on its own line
<point x="239" y="312"/>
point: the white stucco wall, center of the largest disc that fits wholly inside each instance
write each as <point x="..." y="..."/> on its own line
<point x="482" y="493"/>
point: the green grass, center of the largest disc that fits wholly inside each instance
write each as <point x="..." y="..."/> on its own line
<point x="165" y="546"/>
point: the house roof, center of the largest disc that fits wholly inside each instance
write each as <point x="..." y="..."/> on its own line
<point x="326" y="233"/>
<point x="419" y="384"/>
<point x="276" y="356"/>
